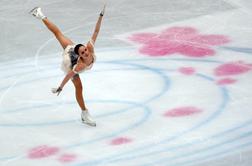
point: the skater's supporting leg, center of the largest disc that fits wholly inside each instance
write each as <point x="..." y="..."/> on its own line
<point x="78" y="91"/>
<point x="85" y="116"/>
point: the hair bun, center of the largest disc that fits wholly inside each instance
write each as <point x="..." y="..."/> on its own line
<point x="76" y="48"/>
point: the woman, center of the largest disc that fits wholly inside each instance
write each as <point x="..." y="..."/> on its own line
<point x="76" y="59"/>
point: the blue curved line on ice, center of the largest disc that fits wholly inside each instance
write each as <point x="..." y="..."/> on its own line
<point x="147" y="113"/>
<point x="116" y="158"/>
<point x="238" y="49"/>
<point x="156" y="95"/>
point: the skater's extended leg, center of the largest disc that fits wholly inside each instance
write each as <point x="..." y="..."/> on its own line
<point x="64" y="41"/>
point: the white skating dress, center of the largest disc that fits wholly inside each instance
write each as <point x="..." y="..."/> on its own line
<point x="70" y="59"/>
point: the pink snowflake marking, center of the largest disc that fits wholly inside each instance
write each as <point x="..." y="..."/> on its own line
<point x="42" y="152"/>
<point x="183" y="40"/>
<point x="187" y="70"/>
<point x="233" y="68"/>
<point x="182" y="111"/>
<point x="120" y="141"/>
<point x="226" y="81"/>
<point x="67" y="158"/>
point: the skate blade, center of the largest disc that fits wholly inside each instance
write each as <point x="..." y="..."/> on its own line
<point x="89" y="124"/>
<point x="32" y="11"/>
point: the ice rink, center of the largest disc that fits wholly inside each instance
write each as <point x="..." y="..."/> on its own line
<point x="172" y="84"/>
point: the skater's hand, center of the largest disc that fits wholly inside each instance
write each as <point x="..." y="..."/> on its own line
<point x="103" y="10"/>
<point x="57" y="90"/>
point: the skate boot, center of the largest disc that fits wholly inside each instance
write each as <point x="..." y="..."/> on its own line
<point x="86" y="118"/>
<point x="36" y="12"/>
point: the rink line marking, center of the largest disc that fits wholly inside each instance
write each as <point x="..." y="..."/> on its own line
<point x="166" y="140"/>
<point x="6" y="91"/>
<point x="165" y="77"/>
<point x="171" y="149"/>
<point x="221" y="153"/>
<point x="126" y="60"/>
<point x="163" y="91"/>
<point x="247" y="133"/>
<point x="55" y="65"/>
<point x="156" y="72"/>
<point x="146" y="111"/>
<point x="221" y="108"/>
<point x="43" y="124"/>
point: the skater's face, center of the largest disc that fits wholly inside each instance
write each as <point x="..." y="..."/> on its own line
<point x="83" y="51"/>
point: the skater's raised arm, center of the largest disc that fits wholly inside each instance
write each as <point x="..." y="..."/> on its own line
<point x="98" y="25"/>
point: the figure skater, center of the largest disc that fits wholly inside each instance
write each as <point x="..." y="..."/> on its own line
<point x="76" y="59"/>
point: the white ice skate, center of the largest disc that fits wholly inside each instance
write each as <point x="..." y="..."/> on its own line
<point x="86" y="118"/>
<point x="36" y="12"/>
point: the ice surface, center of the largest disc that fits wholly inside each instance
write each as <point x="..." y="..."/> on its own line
<point x="171" y="85"/>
